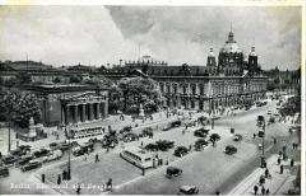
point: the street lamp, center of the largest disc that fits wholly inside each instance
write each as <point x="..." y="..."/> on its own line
<point x="68" y="177"/>
<point x="261" y="123"/>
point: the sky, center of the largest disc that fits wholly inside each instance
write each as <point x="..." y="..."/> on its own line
<point x="96" y="35"/>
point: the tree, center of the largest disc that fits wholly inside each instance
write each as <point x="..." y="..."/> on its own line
<point x="57" y="80"/>
<point x="131" y="92"/>
<point x="18" y="108"/>
<point x="75" y="79"/>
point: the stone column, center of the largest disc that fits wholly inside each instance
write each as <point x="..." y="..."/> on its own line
<point x="99" y="110"/>
<point x="84" y="112"/>
<point x="76" y="113"/>
<point x="66" y="112"/>
<point x="105" y="112"/>
<point x="90" y="111"/>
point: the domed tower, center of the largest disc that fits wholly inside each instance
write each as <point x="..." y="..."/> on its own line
<point x="211" y="63"/>
<point x="211" y="59"/>
<point x="253" y="61"/>
<point x="230" y="60"/>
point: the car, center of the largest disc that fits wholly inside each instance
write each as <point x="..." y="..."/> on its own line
<point x="24" y="160"/>
<point x="173" y="172"/>
<point x="177" y="123"/>
<point x="64" y="146"/>
<point x="31" y="166"/>
<point x="237" y="137"/>
<point x="41" y="153"/>
<point x="4" y="172"/>
<point x="230" y="150"/>
<point x="9" y="159"/>
<point x="55" y="155"/>
<point x="188" y="190"/>
<point x="269" y="112"/>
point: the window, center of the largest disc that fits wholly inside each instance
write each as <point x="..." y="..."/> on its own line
<point x="175" y="88"/>
<point x="201" y="89"/>
<point x="162" y="87"/>
<point x="193" y="88"/>
<point x="184" y="89"/>
<point x="168" y="88"/>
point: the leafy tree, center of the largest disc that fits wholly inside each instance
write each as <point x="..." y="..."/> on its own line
<point x="75" y="79"/>
<point x="57" y="80"/>
<point x="18" y="108"/>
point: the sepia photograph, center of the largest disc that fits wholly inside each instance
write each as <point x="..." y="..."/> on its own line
<point x="151" y="99"/>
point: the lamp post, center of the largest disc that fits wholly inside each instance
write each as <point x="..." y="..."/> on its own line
<point x="69" y="155"/>
<point x="261" y="123"/>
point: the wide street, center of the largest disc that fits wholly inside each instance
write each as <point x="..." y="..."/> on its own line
<point x="210" y="169"/>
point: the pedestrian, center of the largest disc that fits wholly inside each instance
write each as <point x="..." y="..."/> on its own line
<point x="254" y="135"/>
<point x="267" y="191"/>
<point x="267" y="173"/>
<point x="109" y="184"/>
<point x="263" y="190"/>
<point x="274" y="141"/>
<point x="78" y="190"/>
<point x="292" y="163"/>
<point x="281" y="169"/>
<point x="279" y="160"/>
<point x="255" y="188"/>
<point x="59" y="179"/>
<point x="97" y="158"/>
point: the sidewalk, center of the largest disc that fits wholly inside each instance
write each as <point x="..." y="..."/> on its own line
<point x="276" y="184"/>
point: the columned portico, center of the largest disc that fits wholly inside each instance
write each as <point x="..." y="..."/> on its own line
<point x="82" y="109"/>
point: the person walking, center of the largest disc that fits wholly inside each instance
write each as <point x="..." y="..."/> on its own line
<point x="78" y="189"/>
<point x="281" y="169"/>
<point x="97" y="158"/>
<point x="267" y="173"/>
<point x="255" y="188"/>
<point x="292" y="162"/>
<point x="267" y="191"/>
<point x="279" y="160"/>
<point x="263" y="190"/>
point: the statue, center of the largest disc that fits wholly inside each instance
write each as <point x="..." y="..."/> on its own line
<point x="32" y="128"/>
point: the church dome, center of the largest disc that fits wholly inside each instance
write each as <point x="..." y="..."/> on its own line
<point x="231" y="45"/>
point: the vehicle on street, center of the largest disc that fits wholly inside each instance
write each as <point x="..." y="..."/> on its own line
<point x="78" y="151"/>
<point x="31" y="166"/>
<point x="201" y="132"/>
<point x="9" y="159"/>
<point x="55" y="155"/>
<point x="41" y="153"/>
<point x="237" y="137"/>
<point x="188" y="190"/>
<point x="138" y="157"/>
<point x="230" y="150"/>
<point x="24" y="160"/>
<point x="173" y="172"/>
<point x="4" y="172"/>
<point x="180" y="151"/>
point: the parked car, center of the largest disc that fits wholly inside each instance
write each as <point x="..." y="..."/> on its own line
<point x="230" y="150"/>
<point x="188" y="190"/>
<point x="4" y="172"/>
<point x="201" y="132"/>
<point x="173" y="172"/>
<point x="55" y="155"/>
<point x="199" y="144"/>
<point x="54" y="145"/>
<point x="177" y="123"/>
<point x="31" y="166"/>
<point x="180" y="151"/>
<point x="237" y="137"/>
<point x="9" y="159"/>
<point x="78" y="151"/>
<point x="24" y="160"/>
<point x="41" y="153"/>
<point x="64" y="146"/>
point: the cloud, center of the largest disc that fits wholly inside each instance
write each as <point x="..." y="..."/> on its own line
<point x="97" y="35"/>
<point x="185" y="34"/>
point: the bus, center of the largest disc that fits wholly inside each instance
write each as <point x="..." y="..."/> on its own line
<point x="138" y="157"/>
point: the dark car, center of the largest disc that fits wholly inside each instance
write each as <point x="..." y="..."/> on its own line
<point x="24" y="160"/>
<point x="41" y="153"/>
<point x="4" y="172"/>
<point x="188" y="190"/>
<point x="31" y="165"/>
<point x="173" y="172"/>
<point x="176" y="123"/>
<point x="230" y="150"/>
<point x="64" y="146"/>
<point x="8" y="160"/>
<point x="78" y="152"/>
<point x="200" y="133"/>
<point x="237" y="137"/>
